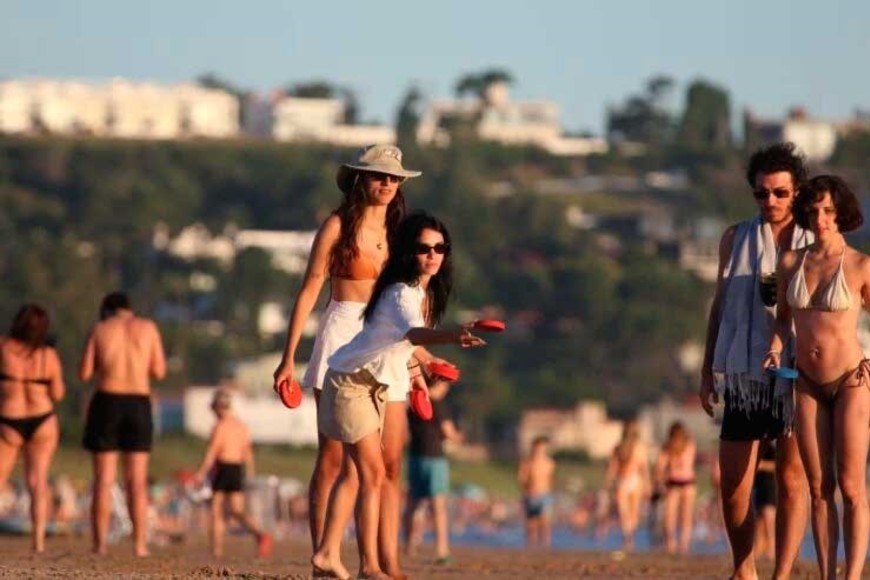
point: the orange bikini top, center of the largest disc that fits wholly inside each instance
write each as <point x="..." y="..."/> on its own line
<point x="360" y="268"/>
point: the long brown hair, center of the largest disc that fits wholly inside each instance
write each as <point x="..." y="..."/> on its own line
<point x="350" y="212"/>
<point x="30" y="326"/>
<point x="678" y="439"/>
<point x="630" y="439"/>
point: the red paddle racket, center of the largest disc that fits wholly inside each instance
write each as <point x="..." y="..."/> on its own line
<point x="290" y="393"/>
<point x="445" y="371"/>
<point x="421" y="405"/>
<point x="490" y="325"/>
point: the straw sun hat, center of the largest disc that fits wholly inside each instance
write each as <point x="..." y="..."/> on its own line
<point x="375" y="158"/>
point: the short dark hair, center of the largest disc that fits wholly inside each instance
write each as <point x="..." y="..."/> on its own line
<point x="30" y="325"/>
<point x="775" y="158"/>
<point x="849" y="216"/>
<point x="540" y="440"/>
<point x="114" y="302"/>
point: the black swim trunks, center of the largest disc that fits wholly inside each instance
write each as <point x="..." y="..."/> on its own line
<point x="752" y="424"/>
<point x="119" y="423"/>
<point x="228" y="477"/>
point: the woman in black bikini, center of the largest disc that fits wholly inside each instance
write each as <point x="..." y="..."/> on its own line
<point x="822" y="289"/>
<point x="31" y="382"/>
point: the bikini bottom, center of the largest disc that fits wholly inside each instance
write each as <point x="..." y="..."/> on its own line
<point x="26" y="426"/>
<point x="826" y="393"/>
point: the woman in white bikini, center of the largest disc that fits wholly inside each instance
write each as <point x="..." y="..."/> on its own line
<point x="629" y="470"/>
<point x="821" y="290"/>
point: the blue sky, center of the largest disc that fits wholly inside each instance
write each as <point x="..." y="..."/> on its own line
<point x="585" y="54"/>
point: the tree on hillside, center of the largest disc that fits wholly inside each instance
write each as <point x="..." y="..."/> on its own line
<point x="211" y="80"/>
<point x="408" y="118"/>
<point x="644" y="117"/>
<point x="706" y="120"/>
<point x="475" y="84"/>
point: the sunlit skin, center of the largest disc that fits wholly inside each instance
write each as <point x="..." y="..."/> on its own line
<point x="735" y="456"/>
<point x="827" y="347"/>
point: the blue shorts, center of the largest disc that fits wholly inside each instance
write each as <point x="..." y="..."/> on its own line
<point x="428" y="476"/>
<point x="538" y="505"/>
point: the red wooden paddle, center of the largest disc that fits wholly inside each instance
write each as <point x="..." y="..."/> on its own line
<point x="290" y="393"/>
<point x="490" y="325"/>
<point x="445" y="371"/>
<point x="421" y="405"/>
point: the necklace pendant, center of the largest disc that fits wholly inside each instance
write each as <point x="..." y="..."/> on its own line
<point x="380" y="246"/>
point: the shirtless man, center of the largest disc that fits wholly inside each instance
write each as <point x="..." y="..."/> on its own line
<point x="122" y="352"/>
<point x="536" y="481"/>
<point x="230" y="454"/>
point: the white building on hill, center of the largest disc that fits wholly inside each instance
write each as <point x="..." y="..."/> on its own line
<point x="498" y="118"/>
<point x="117" y="108"/>
<point x="310" y="120"/>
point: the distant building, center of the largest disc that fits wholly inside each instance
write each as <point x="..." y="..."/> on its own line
<point x="497" y="118"/>
<point x="584" y="427"/>
<point x="117" y="109"/>
<point x="309" y="120"/>
<point x="817" y="139"/>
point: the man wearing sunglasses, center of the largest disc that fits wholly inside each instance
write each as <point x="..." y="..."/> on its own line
<point x="756" y="406"/>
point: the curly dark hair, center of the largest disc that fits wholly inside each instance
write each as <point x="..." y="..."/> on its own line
<point x="775" y="158"/>
<point x="30" y="325"/>
<point x="849" y="216"/>
<point x="350" y="212"/>
<point x="402" y="266"/>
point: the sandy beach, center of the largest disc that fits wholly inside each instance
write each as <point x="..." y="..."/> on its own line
<point x="69" y="557"/>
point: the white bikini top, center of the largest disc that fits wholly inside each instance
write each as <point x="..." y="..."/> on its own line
<point x="835" y="298"/>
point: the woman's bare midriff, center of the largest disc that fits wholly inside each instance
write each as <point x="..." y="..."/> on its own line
<point x="345" y="290"/>
<point x="825" y="348"/>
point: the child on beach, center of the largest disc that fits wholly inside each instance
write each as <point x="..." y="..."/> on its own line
<point x="229" y="453"/>
<point x="536" y="481"/>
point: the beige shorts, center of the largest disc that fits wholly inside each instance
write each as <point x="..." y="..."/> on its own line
<point x="352" y="405"/>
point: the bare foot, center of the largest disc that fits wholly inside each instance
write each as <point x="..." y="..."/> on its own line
<point x="325" y="567"/>
<point x="100" y="550"/>
<point x="142" y="552"/>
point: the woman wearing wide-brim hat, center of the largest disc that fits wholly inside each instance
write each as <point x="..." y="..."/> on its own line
<point x="350" y="249"/>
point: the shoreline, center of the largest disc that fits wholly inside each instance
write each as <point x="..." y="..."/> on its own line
<point x="69" y="557"/>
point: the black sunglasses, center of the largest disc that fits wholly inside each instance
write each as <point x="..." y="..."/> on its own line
<point x="779" y="192"/>
<point x="424" y="249"/>
<point x="378" y="176"/>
